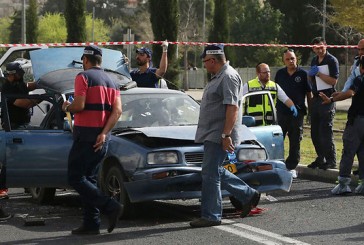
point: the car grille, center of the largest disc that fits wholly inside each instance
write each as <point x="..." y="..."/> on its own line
<point x="194" y="157"/>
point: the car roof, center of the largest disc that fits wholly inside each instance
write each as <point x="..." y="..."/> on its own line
<point x="55" y="69"/>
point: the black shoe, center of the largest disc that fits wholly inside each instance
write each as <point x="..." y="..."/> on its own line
<point x="313" y="165"/>
<point x="4" y="216"/>
<point x="114" y="216"/>
<point x="327" y="166"/>
<point x="85" y="231"/>
<point x="201" y="222"/>
<point x="246" y="208"/>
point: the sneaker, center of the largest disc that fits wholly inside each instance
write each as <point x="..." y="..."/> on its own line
<point x="85" y="231"/>
<point x="201" y="222"/>
<point x="343" y="187"/>
<point x="4" y="194"/>
<point x="294" y="173"/>
<point x="4" y="216"/>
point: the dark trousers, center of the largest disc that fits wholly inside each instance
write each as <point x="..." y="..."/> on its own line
<point x="293" y="127"/>
<point x="83" y="166"/>
<point x="353" y="139"/>
<point x="322" y="136"/>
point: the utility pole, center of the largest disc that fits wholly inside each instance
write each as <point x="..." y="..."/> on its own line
<point x="203" y="26"/>
<point x="324" y="20"/>
<point x="93" y="23"/>
<point x="23" y="25"/>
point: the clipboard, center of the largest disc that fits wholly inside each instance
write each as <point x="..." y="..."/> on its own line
<point x="320" y="84"/>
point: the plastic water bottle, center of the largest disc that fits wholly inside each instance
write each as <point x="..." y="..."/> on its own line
<point x="232" y="157"/>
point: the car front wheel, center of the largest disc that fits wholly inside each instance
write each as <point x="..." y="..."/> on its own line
<point x="113" y="186"/>
<point x="42" y="195"/>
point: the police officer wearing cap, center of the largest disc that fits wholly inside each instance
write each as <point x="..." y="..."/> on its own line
<point x="96" y="107"/>
<point x="146" y="75"/>
<point x="218" y="130"/>
<point x="18" y="109"/>
<point x="353" y="137"/>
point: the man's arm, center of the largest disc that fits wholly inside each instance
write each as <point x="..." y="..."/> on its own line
<point x="163" y="64"/>
<point x="327" y="79"/>
<point x="114" y="116"/>
<point x="25" y="103"/>
<point x="230" y="119"/>
<point x="339" y="96"/>
<point x="353" y="75"/>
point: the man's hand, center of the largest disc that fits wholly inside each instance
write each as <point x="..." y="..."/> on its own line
<point x="100" y="141"/>
<point x="294" y="110"/>
<point x="165" y="46"/>
<point x="227" y="144"/>
<point x="313" y="71"/>
<point x="325" y="100"/>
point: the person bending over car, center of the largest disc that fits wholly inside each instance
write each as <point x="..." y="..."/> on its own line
<point x="19" y="110"/>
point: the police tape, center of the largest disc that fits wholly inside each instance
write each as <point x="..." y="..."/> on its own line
<point x="175" y="43"/>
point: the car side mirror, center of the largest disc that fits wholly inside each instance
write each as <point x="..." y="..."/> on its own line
<point x="249" y="121"/>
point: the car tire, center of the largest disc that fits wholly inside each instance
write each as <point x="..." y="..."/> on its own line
<point x="113" y="186"/>
<point x="42" y="195"/>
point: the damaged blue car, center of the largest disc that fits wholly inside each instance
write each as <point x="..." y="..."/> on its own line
<point x="152" y="154"/>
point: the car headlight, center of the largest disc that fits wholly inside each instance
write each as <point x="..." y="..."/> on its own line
<point x="252" y="155"/>
<point x="163" y="157"/>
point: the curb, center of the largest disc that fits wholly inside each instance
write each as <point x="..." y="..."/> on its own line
<point x="329" y="175"/>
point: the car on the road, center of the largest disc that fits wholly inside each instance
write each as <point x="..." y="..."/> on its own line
<point x="152" y="154"/>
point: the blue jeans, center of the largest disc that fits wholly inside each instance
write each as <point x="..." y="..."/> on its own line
<point x="214" y="178"/>
<point x="83" y="166"/>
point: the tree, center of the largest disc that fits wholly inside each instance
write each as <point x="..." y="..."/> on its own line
<point x="32" y="22"/>
<point x="348" y="13"/>
<point x="299" y="24"/>
<point x="220" y="31"/>
<point x="164" y="16"/>
<point x="75" y="20"/>
<point x="52" y="28"/>
<point x="254" y="23"/>
<point x="15" y="28"/>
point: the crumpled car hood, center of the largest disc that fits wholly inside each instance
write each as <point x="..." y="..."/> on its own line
<point x="184" y="132"/>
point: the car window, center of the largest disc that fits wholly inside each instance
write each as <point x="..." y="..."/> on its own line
<point x="37" y="114"/>
<point x="151" y="110"/>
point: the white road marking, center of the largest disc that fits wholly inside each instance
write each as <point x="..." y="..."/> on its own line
<point x="256" y="234"/>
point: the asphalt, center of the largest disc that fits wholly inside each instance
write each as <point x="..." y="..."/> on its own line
<point x="329" y="175"/>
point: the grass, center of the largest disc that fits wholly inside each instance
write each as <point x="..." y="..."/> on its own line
<point x="308" y="153"/>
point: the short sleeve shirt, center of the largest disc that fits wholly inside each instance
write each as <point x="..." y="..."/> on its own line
<point x="333" y="66"/>
<point x="225" y="88"/>
<point x="147" y="79"/>
<point x="357" y="103"/>
<point x="296" y="86"/>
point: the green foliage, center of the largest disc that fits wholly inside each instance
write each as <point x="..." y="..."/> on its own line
<point x="300" y="23"/>
<point x="15" y="28"/>
<point x="220" y="27"/>
<point x="75" y="20"/>
<point x="32" y="22"/>
<point x="164" y="16"/>
<point x="348" y="13"/>
<point x="101" y="30"/>
<point x="5" y="23"/>
<point x="254" y="23"/>
<point x="52" y="28"/>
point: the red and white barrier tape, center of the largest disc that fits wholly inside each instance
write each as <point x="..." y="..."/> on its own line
<point x="175" y="43"/>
